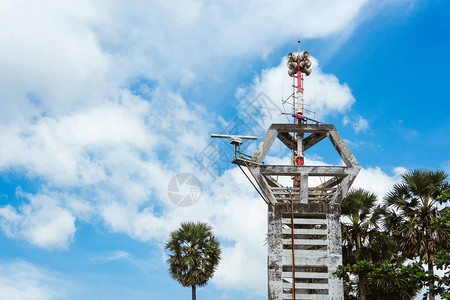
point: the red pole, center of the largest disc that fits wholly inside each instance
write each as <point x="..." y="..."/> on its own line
<point x="300" y="159"/>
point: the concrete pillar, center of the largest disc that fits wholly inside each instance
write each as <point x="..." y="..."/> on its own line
<point x="275" y="255"/>
<point x="334" y="252"/>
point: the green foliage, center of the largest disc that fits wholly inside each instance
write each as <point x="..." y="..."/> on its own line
<point x="443" y="198"/>
<point x="415" y="219"/>
<point x="378" y="240"/>
<point x="194" y="254"/>
<point x="361" y="237"/>
<point x="386" y="280"/>
<point x="442" y="286"/>
<point x="396" y="281"/>
<point x="412" y="207"/>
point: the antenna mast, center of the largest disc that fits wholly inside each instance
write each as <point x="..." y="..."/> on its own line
<point x="298" y="64"/>
<point x="300" y="99"/>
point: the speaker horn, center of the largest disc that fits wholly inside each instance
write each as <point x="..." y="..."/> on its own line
<point x="292" y="57"/>
<point x="292" y="72"/>
<point x="292" y="65"/>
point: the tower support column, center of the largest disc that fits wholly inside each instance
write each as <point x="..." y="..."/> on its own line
<point x="275" y="253"/>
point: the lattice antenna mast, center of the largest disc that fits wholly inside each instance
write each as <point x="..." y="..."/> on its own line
<point x="300" y="99"/>
<point x="298" y="64"/>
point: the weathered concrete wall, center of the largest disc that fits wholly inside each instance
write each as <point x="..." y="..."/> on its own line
<point x="334" y="252"/>
<point x="317" y="251"/>
<point x="275" y="249"/>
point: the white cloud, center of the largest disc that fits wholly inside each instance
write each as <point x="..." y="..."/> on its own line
<point x="242" y="268"/>
<point x="111" y="155"/>
<point x="239" y="216"/>
<point x="50" y="58"/>
<point x="361" y="124"/>
<point x="42" y="222"/>
<point x="375" y="180"/>
<point x="21" y="280"/>
<point x="184" y="38"/>
<point x="345" y="121"/>
<point x="358" y="123"/>
<point x="57" y="57"/>
<point x="114" y="255"/>
<point x="323" y="95"/>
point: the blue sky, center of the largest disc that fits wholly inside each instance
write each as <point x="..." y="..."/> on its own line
<point x="103" y="102"/>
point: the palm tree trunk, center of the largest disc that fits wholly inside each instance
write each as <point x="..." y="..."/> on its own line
<point x="362" y="288"/>
<point x="430" y="262"/>
<point x="194" y="293"/>
<point x="430" y="268"/>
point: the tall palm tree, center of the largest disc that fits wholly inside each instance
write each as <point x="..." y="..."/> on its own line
<point x="360" y="235"/>
<point x="412" y="207"/>
<point x="194" y="255"/>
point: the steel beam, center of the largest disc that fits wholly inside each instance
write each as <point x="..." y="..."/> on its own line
<point x="302" y="128"/>
<point x="313" y="139"/>
<point x="288" y="140"/>
<point x="342" y="149"/>
<point x="264" y="146"/>
<point x="287" y="170"/>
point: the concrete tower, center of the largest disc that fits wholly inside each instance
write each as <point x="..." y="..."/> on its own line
<point x="304" y="238"/>
<point x="304" y="232"/>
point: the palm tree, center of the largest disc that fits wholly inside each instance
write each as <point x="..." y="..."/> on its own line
<point x="195" y="254"/>
<point x="412" y="209"/>
<point x="361" y="237"/>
